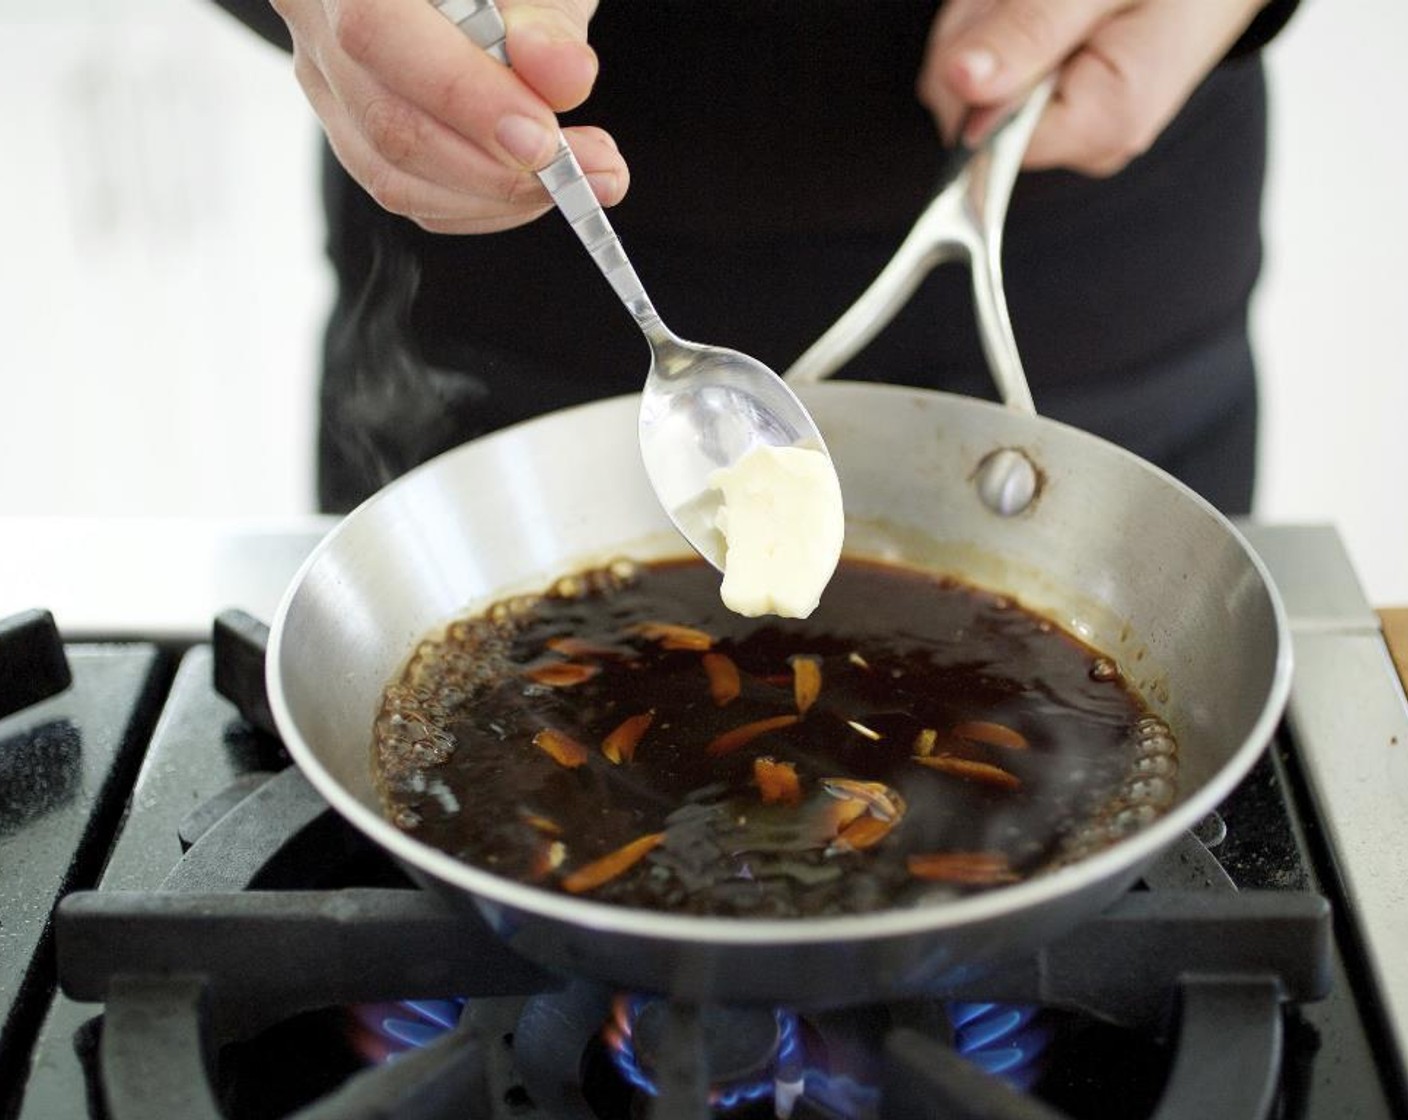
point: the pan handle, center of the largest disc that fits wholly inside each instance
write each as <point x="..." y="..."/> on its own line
<point x="988" y="200"/>
<point x="963" y="222"/>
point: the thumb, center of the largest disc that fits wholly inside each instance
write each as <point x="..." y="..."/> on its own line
<point x="547" y="42"/>
<point x="1007" y="49"/>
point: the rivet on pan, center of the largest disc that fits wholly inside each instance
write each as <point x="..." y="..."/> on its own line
<point x="1007" y="481"/>
<point x="1211" y="830"/>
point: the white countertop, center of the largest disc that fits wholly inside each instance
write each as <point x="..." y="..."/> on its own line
<point x="134" y="577"/>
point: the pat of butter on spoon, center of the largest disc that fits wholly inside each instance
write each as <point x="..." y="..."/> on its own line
<point x="781" y="518"/>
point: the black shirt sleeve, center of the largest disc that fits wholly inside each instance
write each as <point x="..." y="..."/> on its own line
<point x="1264" y="27"/>
<point x="260" y="17"/>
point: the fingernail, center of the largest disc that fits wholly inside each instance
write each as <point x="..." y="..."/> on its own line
<point x="525" y="140"/>
<point x="979" y="65"/>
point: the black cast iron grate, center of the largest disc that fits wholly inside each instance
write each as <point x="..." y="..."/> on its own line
<point x="217" y="956"/>
<point x="247" y="934"/>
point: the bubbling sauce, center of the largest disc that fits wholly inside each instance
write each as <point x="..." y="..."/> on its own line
<point x="625" y="738"/>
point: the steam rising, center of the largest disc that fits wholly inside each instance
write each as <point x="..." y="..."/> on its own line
<point x="385" y="409"/>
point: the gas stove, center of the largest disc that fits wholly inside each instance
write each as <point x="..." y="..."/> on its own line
<point x="226" y="946"/>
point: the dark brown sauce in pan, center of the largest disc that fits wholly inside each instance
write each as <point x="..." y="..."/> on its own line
<point x="955" y="742"/>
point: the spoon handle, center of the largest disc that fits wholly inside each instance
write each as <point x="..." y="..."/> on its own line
<point x="481" y="22"/>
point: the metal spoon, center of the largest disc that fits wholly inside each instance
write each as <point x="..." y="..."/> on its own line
<point x="703" y="407"/>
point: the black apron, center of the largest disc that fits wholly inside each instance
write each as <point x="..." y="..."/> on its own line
<point x="776" y="164"/>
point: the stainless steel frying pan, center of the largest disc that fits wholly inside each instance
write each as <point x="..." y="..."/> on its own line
<point x="1111" y="547"/>
<point x="1107" y="545"/>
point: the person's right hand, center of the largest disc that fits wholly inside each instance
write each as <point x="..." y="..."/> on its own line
<point x="1123" y="69"/>
<point x="435" y="129"/>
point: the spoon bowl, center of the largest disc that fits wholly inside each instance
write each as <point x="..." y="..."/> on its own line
<point x="703" y="407"/>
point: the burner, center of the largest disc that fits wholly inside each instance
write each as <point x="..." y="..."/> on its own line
<point x="747" y="1052"/>
<point x="750" y="1054"/>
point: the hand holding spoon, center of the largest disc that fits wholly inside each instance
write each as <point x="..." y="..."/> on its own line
<point x="703" y="408"/>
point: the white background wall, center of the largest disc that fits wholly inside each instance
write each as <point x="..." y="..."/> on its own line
<point x="1331" y="319"/>
<point x="161" y="283"/>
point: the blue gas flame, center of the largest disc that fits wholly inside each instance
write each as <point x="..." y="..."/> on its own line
<point x="1002" y="1039"/>
<point x="408" y="1025"/>
<point x="1005" y="1040"/>
<point x="727" y="1097"/>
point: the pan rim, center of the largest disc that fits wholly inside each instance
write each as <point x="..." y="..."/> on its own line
<point x="1125" y="857"/>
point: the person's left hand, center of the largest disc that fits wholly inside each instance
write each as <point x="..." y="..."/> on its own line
<point x="1123" y="69"/>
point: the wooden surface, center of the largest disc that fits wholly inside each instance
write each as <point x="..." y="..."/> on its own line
<point x="1395" y="623"/>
